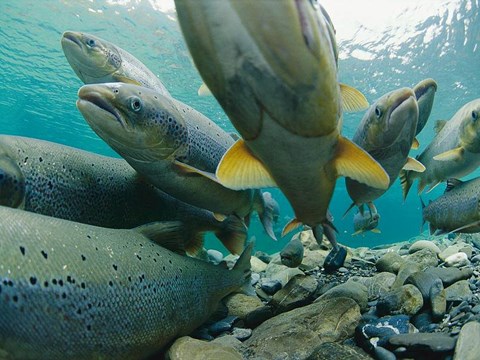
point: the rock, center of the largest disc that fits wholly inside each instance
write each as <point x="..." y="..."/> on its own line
<point x="390" y="262"/>
<point x="350" y="289"/>
<point x="282" y="273"/>
<point x="459" y="291"/>
<point x="292" y="254"/>
<point x="259" y="315"/>
<point x="377" y="332"/>
<point x="313" y="259"/>
<point x="308" y="240"/>
<point x="458" y="259"/>
<point x="453" y="249"/>
<point x="475" y="259"/>
<point x="426" y="343"/>
<point x="334" y="351"/>
<point x="377" y="285"/>
<point x="335" y="259"/>
<point x="223" y="325"/>
<point x="231" y="342"/>
<point x="408" y="268"/>
<point x="424" y="258"/>
<point x="241" y="334"/>
<point x="297" y="333"/>
<point x="424" y="244"/>
<point x="271" y="286"/>
<point x="450" y="275"/>
<point x="404" y="300"/>
<point x="423" y="281"/>
<point x="438" y="300"/>
<point x="192" y="349"/>
<point x="254" y="278"/>
<point x="422" y="320"/>
<point x="298" y="292"/>
<point x="383" y="354"/>
<point x="257" y="265"/>
<point x="263" y="256"/>
<point x="468" y="345"/>
<point x="241" y="305"/>
<point x="214" y="256"/>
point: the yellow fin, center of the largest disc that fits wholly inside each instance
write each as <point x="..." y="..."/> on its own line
<point x="189" y="169"/>
<point x="358" y="232"/>
<point x="439" y="125"/>
<point x="239" y="169"/>
<point x="354" y="162"/>
<point x="194" y="243"/>
<point x="353" y="99"/>
<point x="415" y="144"/>
<point x="450" y="155"/>
<point x="127" y="80"/>
<point x="219" y="217"/>
<point x="376" y="231"/>
<point x="203" y="90"/>
<point x="413" y="165"/>
<point x="292" y="225"/>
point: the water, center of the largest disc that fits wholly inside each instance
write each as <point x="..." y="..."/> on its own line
<point x="383" y="45"/>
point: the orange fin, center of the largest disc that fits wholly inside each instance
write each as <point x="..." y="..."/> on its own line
<point x="292" y="225"/>
<point x="415" y="144"/>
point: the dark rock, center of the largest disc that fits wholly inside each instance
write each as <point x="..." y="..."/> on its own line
<point x="468" y="344"/>
<point x="423" y="281"/>
<point x="450" y="275"/>
<point x="405" y="300"/>
<point x="241" y="334"/>
<point x="476" y="309"/>
<point x="298" y="292"/>
<point x="383" y="354"/>
<point x="258" y="316"/>
<point x="335" y="351"/>
<point x="271" y="286"/>
<point x="422" y="320"/>
<point x="459" y="291"/>
<point x="335" y="259"/>
<point x="438" y="300"/>
<point x="424" y="342"/>
<point x="202" y="333"/>
<point x="377" y="332"/>
<point x="454" y="311"/>
<point x="263" y="256"/>
<point x="390" y="262"/>
<point x="222" y="326"/>
<point x="408" y="268"/>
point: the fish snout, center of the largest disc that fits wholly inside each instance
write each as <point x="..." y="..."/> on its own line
<point x="69" y="37"/>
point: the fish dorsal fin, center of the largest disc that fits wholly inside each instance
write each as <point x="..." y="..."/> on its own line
<point x="169" y="234"/>
<point x="352" y="161"/>
<point x="203" y="90"/>
<point x="452" y="183"/>
<point x="292" y="225"/>
<point x="189" y="169"/>
<point x="352" y="99"/>
<point x="439" y="125"/>
<point x="413" y="165"/>
<point x="126" y="80"/>
<point x="239" y="169"/>
<point x="415" y="144"/>
<point x="450" y="155"/>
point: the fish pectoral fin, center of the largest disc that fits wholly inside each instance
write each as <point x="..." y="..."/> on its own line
<point x="352" y="99"/>
<point x="203" y="90"/>
<point x="439" y="125"/>
<point x="189" y="169"/>
<point x="413" y="165"/>
<point x="415" y="144"/>
<point x="358" y="232"/>
<point x="239" y="169"/>
<point x="169" y="234"/>
<point x="450" y="155"/>
<point x="292" y="225"/>
<point x="452" y="183"/>
<point x="352" y="161"/>
<point x="376" y="231"/>
<point x="126" y="80"/>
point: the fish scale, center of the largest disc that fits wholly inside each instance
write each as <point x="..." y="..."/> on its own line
<point x="69" y="290"/>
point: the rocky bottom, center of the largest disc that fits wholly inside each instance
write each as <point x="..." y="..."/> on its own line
<point x="415" y="300"/>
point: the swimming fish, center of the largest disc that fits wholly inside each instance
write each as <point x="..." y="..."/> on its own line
<point x="174" y="146"/>
<point x="72" y="184"/>
<point x="457" y="210"/>
<point x="425" y="93"/>
<point x="76" y="291"/>
<point x="95" y="60"/>
<point x="386" y="132"/>
<point x="366" y="221"/>
<point x="453" y="153"/>
<point x="292" y="254"/>
<point x="273" y="70"/>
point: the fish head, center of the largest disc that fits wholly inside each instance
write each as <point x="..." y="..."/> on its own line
<point x="90" y="57"/>
<point x="260" y="60"/>
<point x="386" y="120"/>
<point x="470" y="126"/>
<point x="425" y="93"/>
<point x="137" y="122"/>
<point x="12" y="182"/>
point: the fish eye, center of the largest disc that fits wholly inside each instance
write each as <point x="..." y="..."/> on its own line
<point x="378" y="112"/>
<point x="474" y="115"/>
<point x="135" y="104"/>
<point x="91" y="42"/>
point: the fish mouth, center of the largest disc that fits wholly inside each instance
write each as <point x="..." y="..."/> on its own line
<point x="423" y="87"/>
<point x="98" y="99"/>
<point x="73" y="37"/>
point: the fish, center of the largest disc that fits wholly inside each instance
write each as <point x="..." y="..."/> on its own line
<point x="171" y="144"/>
<point x="425" y="93"/>
<point x="96" y="60"/>
<point x="366" y="221"/>
<point x="292" y="254"/>
<point x="273" y="70"/>
<point x="386" y="132"/>
<point x="76" y="291"/>
<point x="453" y="153"/>
<point x="457" y="210"/>
<point x="60" y="181"/>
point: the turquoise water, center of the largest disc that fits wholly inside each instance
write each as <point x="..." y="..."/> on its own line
<point x="383" y="45"/>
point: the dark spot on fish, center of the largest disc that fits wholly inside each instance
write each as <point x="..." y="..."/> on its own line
<point x="64" y="295"/>
<point x="170" y="261"/>
<point x="83" y="258"/>
<point x="45" y="284"/>
<point x="22" y="250"/>
<point x="155" y="260"/>
<point x="33" y="280"/>
<point x="54" y="281"/>
<point x="0" y="289"/>
<point x="164" y="269"/>
<point x="60" y="282"/>
<point x="70" y="280"/>
<point x="50" y="185"/>
<point x="15" y="298"/>
<point x="82" y="285"/>
<point x="40" y="159"/>
<point x="89" y="305"/>
<point x="79" y="311"/>
<point x="110" y="283"/>
<point x="45" y="255"/>
<point x="89" y="327"/>
<point x="130" y="278"/>
<point x="115" y="267"/>
<point x="138" y="257"/>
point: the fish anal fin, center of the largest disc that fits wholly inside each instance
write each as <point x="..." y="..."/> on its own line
<point x="352" y="161"/>
<point x="239" y="169"/>
<point x="352" y="99"/>
<point x="452" y="183"/>
<point x="450" y="155"/>
<point x="415" y="144"/>
<point x="413" y="165"/>
<point x="292" y="225"/>
<point x="376" y="231"/>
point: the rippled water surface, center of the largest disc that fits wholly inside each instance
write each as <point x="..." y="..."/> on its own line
<point x="383" y="45"/>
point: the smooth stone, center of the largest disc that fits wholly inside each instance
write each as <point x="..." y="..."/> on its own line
<point x="377" y="332"/>
<point x="259" y="315"/>
<point x="350" y="289"/>
<point x="193" y="349"/>
<point x="468" y="344"/>
<point x="219" y="327"/>
<point x="453" y="249"/>
<point x="475" y="259"/>
<point x="200" y="333"/>
<point x="241" y="334"/>
<point x="430" y="342"/>
<point x="476" y="309"/>
<point x="378" y="285"/>
<point x="263" y="256"/>
<point x="459" y="291"/>
<point x="292" y="254"/>
<point x="423" y="281"/>
<point x="241" y="305"/>
<point x="450" y="275"/>
<point x="214" y="256"/>
<point x="335" y="351"/>
<point x="390" y="262"/>
<point x="231" y="341"/>
<point x="408" y="268"/>
<point x="271" y="286"/>
<point x="422" y="320"/>
<point x="313" y="259"/>
<point x="335" y="259"/>
<point x="438" y="300"/>
<point x="404" y="300"/>
<point x="282" y="273"/>
<point x="424" y="244"/>
<point x="297" y="333"/>
<point x="308" y="240"/>
<point x="257" y="265"/>
<point x="298" y="292"/>
<point x="424" y="258"/>
<point x="458" y="259"/>
<point x="383" y="354"/>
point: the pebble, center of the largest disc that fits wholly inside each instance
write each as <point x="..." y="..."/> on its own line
<point x="298" y="292"/>
<point x="475" y="259"/>
<point x="459" y="291"/>
<point x="424" y="244"/>
<point x="450" y="275"/>
<point x="390" y="262"/>
<point x="241" y="334"/>
<point x="377" y="331"/>
<point x="453" y="249"/>
<point x="383" y="354"/>
<point x="258" y="316"/>
<point x="271" y="286"/>
<point x="458" y="259"/>
<point x="335" y="351"/>
<point x="424" y="257"/>
<point x="192" y="349"/>
<point x="422" y="320"/>
<point x="424" y="342"/>
<point x="404" y="300"/>
<point x="438" y="300"/>
<point x="263" y="256"/>
<point x="408" y="268"/>
<point x="423" y="281"/>
<point x="476" y="309"/>
<point x="241" y="305"/>
<point x="214" y="256"/>
<point x="292" y="254"/>
<point x="254" y="278"/>
<point x="468" y="344"/>
<point x="257" y="265"/>
<point x="335" y="259"/>
<point x="351" y="289"/>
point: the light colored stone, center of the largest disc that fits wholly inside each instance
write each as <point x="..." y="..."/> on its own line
<point x="453" y="249"/>
<point x="424" y="258"/>
<point x="257" y="265"/>
<point x="377" y="285"/>
<point x="297" y="292"/>
<point x="459" y="291"/>
<point x="406" y="300"/>
<point x="308" y="240"/>
<point x="313" y="259"/>
<point x="214" y="256"/>
<point x="241" y="305"/>
<point x="351" y="289"/>
<point x="424" y="244"/>
<point x="457" y="260"/>
<point x="193" y="349"/>
<point x="468" y="344"/>
<point x="390" y="262"/>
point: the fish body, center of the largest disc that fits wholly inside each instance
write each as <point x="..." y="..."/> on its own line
<point x="453" y="153"/>
<point x="365" y="221"/>
<point x="95" y="60"/>
<point x="76" y="291"/>
<point x="425" y="93"/>
<point x="457" y="210"/>
<point x="72" y="184"/>
<point x="273" y="70"/>
<point x="386" y="132"/>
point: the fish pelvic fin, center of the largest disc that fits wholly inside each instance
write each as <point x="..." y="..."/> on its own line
<point x="266" y="212"/>
<point x="376" y="231"/>
<point x="405" y="182"/>
<point x="415" y="144"/>
<point x="233" y="234"/>
<point x="168" y="234"/>
<point x="292" y="225"/>
<point x="240" y="169"/>
<point x="243" y="268"/>
<point x="352" y="161"/>
<point x="352" y="99"/>
<point x="413" y="165"/>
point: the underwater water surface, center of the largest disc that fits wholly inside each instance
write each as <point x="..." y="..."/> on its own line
<point x="383" y="45"/>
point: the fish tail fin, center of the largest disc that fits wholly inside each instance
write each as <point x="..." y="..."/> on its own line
<point x="267" y="210"/>
<point x="406" y="183"/>
<point x="242" y="268"/>
<point x="232" y="234"/>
